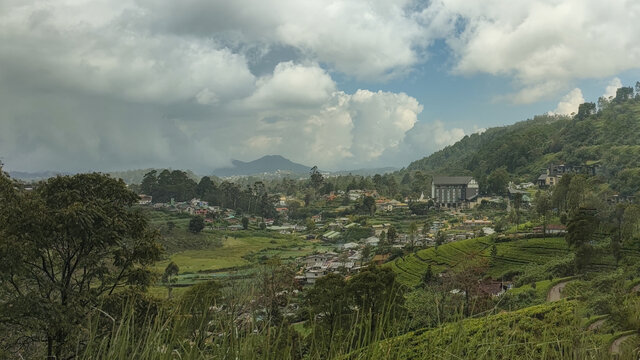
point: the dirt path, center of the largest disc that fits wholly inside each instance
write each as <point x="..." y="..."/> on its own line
<point x="555" y="293"/>
<point x="636" y="288"/>
<point x="617" y="344"/>
<point x="596" y="325"/>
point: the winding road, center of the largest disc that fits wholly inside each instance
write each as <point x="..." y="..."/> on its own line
<point x="617" y="344"/>
<point x="555" y="293"/>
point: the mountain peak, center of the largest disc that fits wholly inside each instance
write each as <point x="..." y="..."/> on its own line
<point x="265" y="164"/>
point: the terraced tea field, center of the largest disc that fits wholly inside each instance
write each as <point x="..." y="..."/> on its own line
<point x="511" y="256"/>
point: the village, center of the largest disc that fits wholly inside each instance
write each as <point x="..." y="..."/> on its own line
<point x="452" y="210"/>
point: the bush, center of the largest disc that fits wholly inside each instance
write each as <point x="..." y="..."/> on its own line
<point x="196" y="224"/>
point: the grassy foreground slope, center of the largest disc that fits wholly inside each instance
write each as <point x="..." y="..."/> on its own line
<point x="548" y="331"/>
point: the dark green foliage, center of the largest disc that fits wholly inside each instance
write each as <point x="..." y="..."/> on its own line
<point x="497" y="181"/>
<point x="356" y="233"/>
<point x="168" y="185"/>
<point x="245" y="222"/>
<point x="585" y="110"/>
<point x="63" y="248"/>
<point x="170" y="272"/>
<point x="366" y="206"/>
<point x="315" y="178"/>
<point x="196" y="224"/>
<point x="392" y="234"/>
<point x="581" y="229"/>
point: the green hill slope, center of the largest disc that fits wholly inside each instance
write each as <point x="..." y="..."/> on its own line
<point x="549" y="331"/>
<point x="610" y="138"/>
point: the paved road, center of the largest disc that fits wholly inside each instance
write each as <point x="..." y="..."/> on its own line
<point x="617" y="344"/>
<point x="555" y="293"/>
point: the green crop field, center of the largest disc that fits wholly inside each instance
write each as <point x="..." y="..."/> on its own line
<point x="514" y="254"/>
<point x="548" y="331"/>
<point x="411" y="268"/>
<point x="511" y="256"/>
<point x="231" y="254"/>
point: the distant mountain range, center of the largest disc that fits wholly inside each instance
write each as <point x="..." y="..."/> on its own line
<point x="266" y="164"/>
<point x="270" y="166"/>
<point x="35" y="176"/>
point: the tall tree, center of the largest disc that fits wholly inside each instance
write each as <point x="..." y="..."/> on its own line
<point x="369" y="205"/>
<point x="170" y="272"/>
<point x="63" y="248"/>
<point x="497" y="181"/>
<point x="413" y="230"/>
<point x="315" y="178"/>
<point x="392" y="235"/>
<point x="581" y="230"/>
<point x="542" y="202"/>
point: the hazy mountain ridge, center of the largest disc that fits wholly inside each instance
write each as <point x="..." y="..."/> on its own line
<point x="265" y="164"/>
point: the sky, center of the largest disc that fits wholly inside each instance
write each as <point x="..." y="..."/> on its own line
<point x="109" y="85"/>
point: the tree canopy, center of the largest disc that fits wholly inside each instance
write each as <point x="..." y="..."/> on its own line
<point x="63" y="247"/>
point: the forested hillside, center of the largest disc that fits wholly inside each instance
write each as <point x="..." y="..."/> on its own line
<point x="608" y="136"/>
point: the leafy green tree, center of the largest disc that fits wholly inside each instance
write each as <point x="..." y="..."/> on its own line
<point x="149" y="183"/>
<point x="577" y="192"/>
<point x="413" y="230"/>
<point x="64" y="247"/>
<point x="315" y="178"/>
<point x="494" y="252"/>
<point x="374" y="289"/>
<point x="168" y="278"/>
<point x="206" y="189"/>
<point x="369" y="205"/>
<point x="581" y="229"/>
<point x="617" y="230"/>
<point x="245" y="222"/>
<point x="328" y="298"/>
<point x="392" y="235"/>
<point x="623" y="94"/>
<point x="585" y="110"/>
<point x="542" y="203"/>
<point x="497" y="181"/>
<point x="439" y="238"/>
<point x="311" y="225"/>
<point x="196" y="224"/>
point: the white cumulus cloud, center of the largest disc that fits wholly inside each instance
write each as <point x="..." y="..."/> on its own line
<point x="569" y="103"/>
<point x="543" y="45"/>
<point x="610" y="90"/>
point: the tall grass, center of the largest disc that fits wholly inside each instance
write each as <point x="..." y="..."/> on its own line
<point x="198" y="327"/>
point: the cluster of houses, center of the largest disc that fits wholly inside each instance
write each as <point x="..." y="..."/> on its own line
<point x="554" y="173"/>
<point x="318" y="265"/>
<point x="192" y="207"/>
